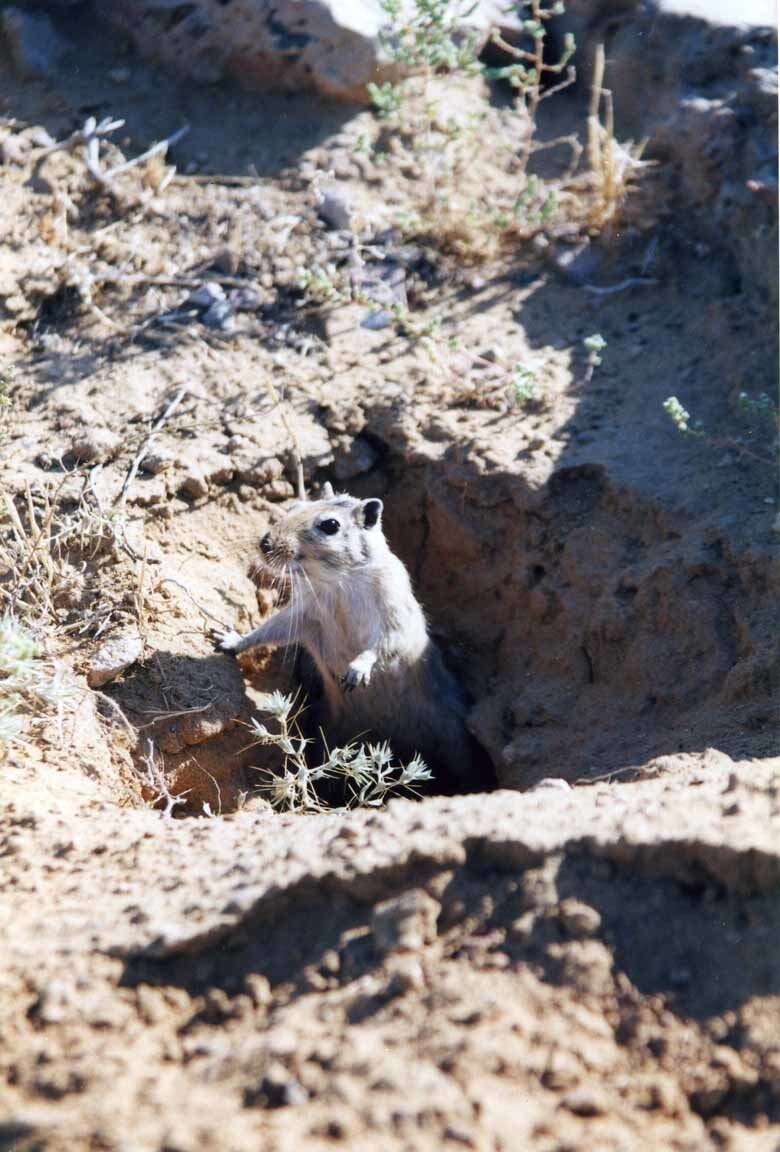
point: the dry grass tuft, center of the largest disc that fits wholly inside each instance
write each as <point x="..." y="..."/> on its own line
<point x="32" y="688"/>
<point x="47" y="540"/>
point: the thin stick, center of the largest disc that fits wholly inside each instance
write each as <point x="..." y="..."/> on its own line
<point x="594" y="127"/>
<point x="611" y="289"/>
<point x="156" y="781"/>
<point x="144" y="451"/>
<point x="114" y="707"/>
<point x="174" y="281"/>
<point x="216" y="178"/>
<point x="161" y="146"/>
<point x="170" y="580"/>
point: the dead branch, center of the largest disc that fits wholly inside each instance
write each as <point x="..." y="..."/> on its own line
<point x="141" y="455"/>
<point x="612" y="289"/>
<point x="155" y="778"/>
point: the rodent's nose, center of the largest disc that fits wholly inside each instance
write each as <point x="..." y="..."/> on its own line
<point x="266" y="544"/>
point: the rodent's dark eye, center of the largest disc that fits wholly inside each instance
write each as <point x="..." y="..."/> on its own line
<point x="329" y="527"/>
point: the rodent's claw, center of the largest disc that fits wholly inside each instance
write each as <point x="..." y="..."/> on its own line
<point x="355" y="678"/>
<point x="225" y="641"/>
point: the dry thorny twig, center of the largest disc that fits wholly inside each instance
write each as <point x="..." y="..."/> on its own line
<point x="155" y="778"/>
<point x="90" y="135"/>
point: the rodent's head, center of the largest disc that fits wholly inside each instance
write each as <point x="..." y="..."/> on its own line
<point x="325" y="538"/>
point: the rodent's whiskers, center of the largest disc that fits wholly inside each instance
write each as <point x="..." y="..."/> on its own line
<point x="311" y="589"/>
<point x="292" y="632"/>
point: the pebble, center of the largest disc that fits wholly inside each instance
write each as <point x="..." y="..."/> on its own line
<point x="195" y="485"/>
<point x="405" y="923"/>
<point x="219" y="315"/>
<point x="376" y="321"/>
<point x="156" y="462"/>
<point x="579" y="920"/>
<point x="335" y="209"/>
<point x="360" y="457"/>
<point x="494" y="354"/>
<point x="112" y="658"/>
<point x="13" y="150"/>
<point x="277" y="1089"/>
<point x="208" y="294"/>
<point x="585" y="1102"/>
<point x="94" y="445"/>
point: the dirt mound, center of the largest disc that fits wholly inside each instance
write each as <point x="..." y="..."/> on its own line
<point x="603" y="956"/>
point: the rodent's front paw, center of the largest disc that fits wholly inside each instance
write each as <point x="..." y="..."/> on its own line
<point x="356" y="676"/>
<point x="226" y="641"/>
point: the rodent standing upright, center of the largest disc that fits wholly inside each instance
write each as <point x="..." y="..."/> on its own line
<point x="352" y="609"/>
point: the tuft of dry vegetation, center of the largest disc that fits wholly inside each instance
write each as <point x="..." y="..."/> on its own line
<point x="50" y="538"/>
<point x="32" y="685"/>
<point x="368" y="773"/>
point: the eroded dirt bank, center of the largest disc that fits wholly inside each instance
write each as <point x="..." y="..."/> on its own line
<point x="551" y="970"/>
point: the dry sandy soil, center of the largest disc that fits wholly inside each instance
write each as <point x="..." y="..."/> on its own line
<point x="561" y="969"/>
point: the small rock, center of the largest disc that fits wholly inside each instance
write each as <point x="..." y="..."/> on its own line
<point x="585" y="1102"/>
<point x="34" y="44"/>
<point x="149" y="491"/>
<point x="209" y="293"/>
<point x="277" y="1089"/>
<point x="219" y="315"/>
<point x="55" y="1002"/>
<point x="522" y="929"/>
<point x="279" y="490"/>
<point x="577" y="264"/>
<point x="406" y="923"/>
<point x="376" y="321"/>
<point x="156" y="462"/>
<point x="247" y="299"/>
<point x="553" y="783"/>
<point x="258" y="989"/>
<point x="579" y="920"/>
<point x="195" y="485"/>
<point x="112" y="658"/>
<point x="335" y="208"/>
<point x="94" y="445"/>
<point x="13" y="150"/>
<point x="360" y="457"/>
<point x="407" y="976"/>
<point x="260" y="472"/>
<point x="460" y="1136"/>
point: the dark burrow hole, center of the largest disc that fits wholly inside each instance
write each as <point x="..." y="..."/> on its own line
<point x="589" y="641"/>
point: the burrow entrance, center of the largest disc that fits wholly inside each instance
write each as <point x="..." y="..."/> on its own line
<point x="592" y="632"/>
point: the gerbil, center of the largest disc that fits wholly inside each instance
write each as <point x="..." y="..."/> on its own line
<point x="353" y="611"/>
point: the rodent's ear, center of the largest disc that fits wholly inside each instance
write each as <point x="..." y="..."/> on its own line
<point x="371" y="512"/>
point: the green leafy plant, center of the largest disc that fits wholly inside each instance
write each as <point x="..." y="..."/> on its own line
<point x="529" y="69"/>
<point x="525" y="385"/>
<point x="369" y="772"/>
<point x="761" y="407"/>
